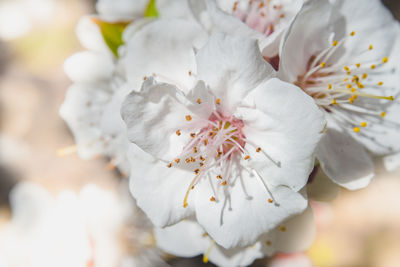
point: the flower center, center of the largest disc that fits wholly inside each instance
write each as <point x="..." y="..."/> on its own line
<point x="336" y="87"/>
<point x="260" y="15"/>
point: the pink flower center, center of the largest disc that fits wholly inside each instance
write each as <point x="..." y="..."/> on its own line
<point x="261" y="16"/>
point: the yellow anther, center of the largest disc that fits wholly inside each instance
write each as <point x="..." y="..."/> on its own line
<point x="363" y="124"/>
<point x="345" y="80"/>
<point x="352" y="33"/>
<point x="373" y="66"/>
<point x="178" y="132"/>
<point x="270" y="200"/>
<point x="282" y="16"/>
<point x="195" y="150"/>
<point x="346" y="68"/>
<point x="385" y="60"/>
<point x="351" y="100"/>
<point x="218" y="101"/>
<point x="258" y="149"/>
<point x="169" y="165"/>
<point x="348" y="86"/>
<point x="364" y="76"/>
<point x="329" y="86"/>
<point x="355" y="97"/>
<point x="380" y="83"/>
<point x="390" y="98"/>
<point x="177" y="160"/>
<point x="201" y="164"/>
<point x="198" y="101"/>
<point x="202" y="158"/>
<point x="188" y="117"/>
<point x="192" y="159"/>
<point x="358" y="65"/>
<point x="193" y="135"/>
<point x="371" y="47"/>
<point x="205" y="142"/>
<point x="322" y="64"/>
<point x="282" y="228"/>
<point x="353" y="90"/>
<point x="205" y="256"/>
<point x="356" y="129"/>
<point x="212" y="199"/>
<point x="360" y="85"/>
<point x="224" y="183"/>
<point x="197" y="171"/>
<point x="334" y="101"/>
<point x="335" y="43"/>
<point x="383" y="114"/>
<point x="246" y="157"/>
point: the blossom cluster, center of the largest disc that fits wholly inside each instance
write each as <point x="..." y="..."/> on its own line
<point x="230" y="116"/>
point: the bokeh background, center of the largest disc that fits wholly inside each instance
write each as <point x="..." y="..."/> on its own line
<point x="356" y="229"/>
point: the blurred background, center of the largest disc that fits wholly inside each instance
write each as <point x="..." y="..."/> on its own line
<point x="356" y="229"/>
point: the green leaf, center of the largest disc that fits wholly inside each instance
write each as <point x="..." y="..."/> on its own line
<point x="112" y="33"/>
<point x="151" y="10"/>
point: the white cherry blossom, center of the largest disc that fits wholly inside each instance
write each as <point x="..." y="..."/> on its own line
<point x="348" y="65"/>
<point x="234" y="151"/>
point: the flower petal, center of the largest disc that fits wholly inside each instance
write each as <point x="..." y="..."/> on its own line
<point x="231" y="67"/>
<point x="89" y="66"/>
<point x="158" y="190"/>
<point x="156" y="50"/>
<point x="154" y="116"/>
<point x="240" y="217"/>
<point x="344" y="160"/>
<point x="286" y="125"/>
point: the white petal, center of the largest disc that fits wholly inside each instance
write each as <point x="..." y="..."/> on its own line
<point x="286" y="124"/>
<point x="155" y="114"/>
<point x="232" y="67"/>
<point x="158" y="190"/>
<point x="89" y="66"/>
<point x="157" y="50"/>
<point x="89" y="35"/>
<point x="344" y="160"/>
<point x="309" y="34"/>
<point x="184" y="239"/>
<point x="294" y="235"/>
<point x="239" y="218"/>
<point x="82" y="110"/>
<point x="117" y="10"/>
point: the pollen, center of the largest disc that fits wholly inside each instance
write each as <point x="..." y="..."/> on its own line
<point x="169" y="165"/>
<point x="193" y="135"/>
<point x="358" y="65"/>
<point x="219" y="176"/>
<point x="212" y="199"/>
<point x="282" y="228"/>
<point x="270" y="200"/>
<point x="194" y="150"/>
<point x="178" y="132"/>
<point x="177" y="160"/>
<point x="187" y="160"/>
<point x="192" y="159"/>
<point x="352" y="33"/>
<point x="360" y="85"/>
<point x="246" y="157"/>
<point x="224" y="183"/>
<point x="363" y="124"/>
<point x="353" y="90"/>
<point x="346" y="68"/>
<point x="385" y="60"/>
<point x="202" y="158"/>
<point x="201" y="164"/>
<point x="371" y="47"/>
<point x="198" y="101"/>
<point x="356" y="129"/>
<point x="258" y="149"/>
<point x="364" y="76"/>
<point x="348" y="86"/>
<point x="205" y="142"/>
<point x="322" y="64"/>
<point x="335" y="43"/>
<point x="188" y="117"/>
<point x="373" y="66"/>
<point x="380" y="83"/>
<point x="197" y="171"/>
<point x="329" y="86"/>
<point x="218" y="101"/>
<point x="334" y="101"/>
<point x="383" y="114"/>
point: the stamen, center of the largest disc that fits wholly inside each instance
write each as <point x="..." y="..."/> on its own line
<point x="356" y="129"/>
<point x="212" y="199"/>
<point x="385" y="60"/>
<point x="282" y="228"/>
<point x="205" y="257"/>
<point x="218" y="101"/>
<point x="188" y="117"/>
<point x="198" y="100"/>
<point x="178" y="132"/>
<point x="363" y="124"/>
